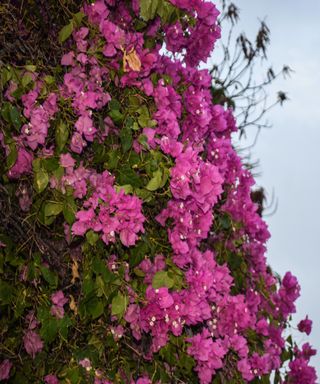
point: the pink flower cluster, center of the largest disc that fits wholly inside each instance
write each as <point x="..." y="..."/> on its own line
<point x="58" y="300"/>
<point x="106" y="211"/>
<point x="35" y="132"/>
<point x="31" y="339"/>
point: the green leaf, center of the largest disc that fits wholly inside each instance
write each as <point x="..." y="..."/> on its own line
<point x="53" y="208"/>
<point x="49" y="329"/>
<point x="12" y="156"/>
<point x="92" y="237"/>
<point x="165" y="177"/>
<point x="116" y="116"/>
<point x="101" y="287"/>
<point x="113" y="158"/>
<point x="127" y="188"/>
<point x="36" y="165"/>
<point x="64" y="324"/>
<point x="50" y="277"/>
<point x="6" y="75"/>
<point x="99" y="267"/>
<point x="61" y="135"/>
<point x="161" y="279"/>
<point x="166" y="11"/>
<point x="119" y="305"/>
<point x="6" y="292"/>
<point x="30" y="68"/>
<point x="65" y="32"/>
<point x="148" y="9"/>
<point x="127" y="175"/>
<point x="69" y="210"/>
<point x="49" y="79"/>
<point x="126" y="138"/>
<point x="50" y="164"/>
<point x="26" y="79"/>
<point x="114" y="104"/>
<point x="77" y="17"/>
<point x="5" y="111"/>
<point x="134" y="102"/>
<point x="138" y="253"/>
<point x="156" y="181"/>
<point x="145" y="195"/>
<point x="15" y="117"/>
<point x="95" y="307"/>
<point x="41" y="180"/>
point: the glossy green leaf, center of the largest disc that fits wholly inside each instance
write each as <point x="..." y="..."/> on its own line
<point x="61" y="135"/>
<point x="69" y="210"/>
<point x="161" y="279"/>
<point x="148" y="9"/>
<point x="49" y="79"/>
<point x="6" y="75"/>
<point x="156" y="181"/>
<point x="116" y="116"/>
<point x="26" y="79"/>
<point x="65" y="32"/>
<point x="30" y="68"/>
<point x="119" y="305"/>
<point x="12" y="155"/>
<point x="92" y="237"/>
<point x="78" y="17"/>
<point x="53" y="208"/>
<point x="15" y="117"/>
<point x="126" y="188"/>
<point x="41" y="180"/>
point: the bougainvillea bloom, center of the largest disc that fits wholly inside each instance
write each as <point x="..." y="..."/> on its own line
<point x="5" y="368"/>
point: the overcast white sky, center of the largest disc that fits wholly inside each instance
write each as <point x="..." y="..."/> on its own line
<point x="289" y="153"/>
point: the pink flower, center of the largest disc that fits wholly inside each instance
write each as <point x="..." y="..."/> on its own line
<point x="86" y="363"/>
<point x="85" y="126"/>
<point x="77" y="143"/>
<point x="164" y="298"/>
<point x="51" y="379"/>
<point x="67" y="161"/>
<point x="301" y="372"/>
<point x="143" y="380"/>
<point x="5" y="368"/>
<point x="32" y="343"/>
<point x="22" y="165"/>
<point x="305" y="326"/>
<point x="59" y="300"/>
<point x="68" y="58"/>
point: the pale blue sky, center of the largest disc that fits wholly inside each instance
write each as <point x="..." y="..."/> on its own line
<point x="289" y="153"/>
